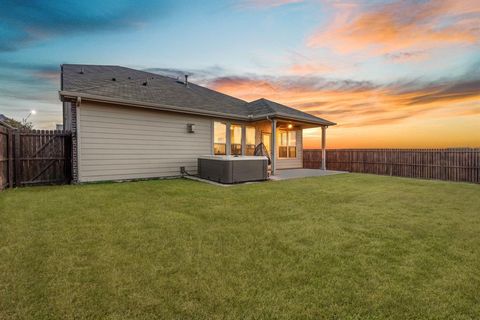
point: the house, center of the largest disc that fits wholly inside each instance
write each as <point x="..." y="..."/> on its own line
<point x="3" y="121"/>
<point x="130" y="124"/>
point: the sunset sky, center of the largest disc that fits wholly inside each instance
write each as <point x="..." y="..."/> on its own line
<point x="390" y="73"/>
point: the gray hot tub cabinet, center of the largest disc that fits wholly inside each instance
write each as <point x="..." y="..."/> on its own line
<point x="232" y="169"/>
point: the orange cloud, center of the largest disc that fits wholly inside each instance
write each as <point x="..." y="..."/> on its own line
<point x="401" y="26"/>
<point x="309" y="68"/>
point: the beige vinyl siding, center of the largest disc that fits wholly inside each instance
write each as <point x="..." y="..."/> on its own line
<point x="67" y="116"/>
<point x="118" y="143"/>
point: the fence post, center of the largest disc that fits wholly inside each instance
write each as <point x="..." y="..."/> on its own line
<point x="10" y="158"/>
<point x="389" y="152"/>
<point x="478" y="165"/>
<point x="17" y="158"/>
<point x="443" y="169"/>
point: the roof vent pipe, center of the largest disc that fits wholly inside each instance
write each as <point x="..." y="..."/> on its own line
<point x="82" y="71"/>
<point x="186" y="80"/>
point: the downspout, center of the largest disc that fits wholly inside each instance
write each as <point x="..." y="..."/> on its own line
<point x="61" y="98"/>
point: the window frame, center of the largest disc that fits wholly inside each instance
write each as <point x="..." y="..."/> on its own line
<point x="287" y="145"/>
<point x="254" y="140"/>
<point x="243" y="137"/>
<point x="230" y="144"/>
<point x="216" y="143"/>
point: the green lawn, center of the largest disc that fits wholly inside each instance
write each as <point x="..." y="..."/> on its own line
<point x="345" y="246"/>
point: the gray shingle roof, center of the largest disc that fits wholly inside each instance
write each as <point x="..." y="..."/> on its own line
<point x="263" y="107"/>
<point x="113" y="83"/>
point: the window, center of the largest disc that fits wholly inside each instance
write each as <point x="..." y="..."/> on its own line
<point x="283" y="145"/>
<point x="267" y="139"/>
<point x="292" y="144"/>
<point x="287" y="144"/>
<point x="236" y="139"/>
<point x="219" y="138"/>
<point x="250" y="141"/>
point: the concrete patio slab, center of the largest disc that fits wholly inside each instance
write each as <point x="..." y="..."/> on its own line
<point x="285" y="174"/>
<point x="282" y="174"/>
<point x="195" y="178"/>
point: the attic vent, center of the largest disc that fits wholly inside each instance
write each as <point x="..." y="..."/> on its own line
<point x="114" y="79"/>
<point x="145" y="83"/>
<point x="129" y="78"/>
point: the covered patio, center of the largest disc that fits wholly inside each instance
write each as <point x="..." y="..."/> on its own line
<point x="278" y="128"/>
<point x="287" y="174"/>
<point x="281" y="151"/>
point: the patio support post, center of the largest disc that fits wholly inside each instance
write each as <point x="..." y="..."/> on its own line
<point x="324" y="152"/>
<point x="274" y="146"/>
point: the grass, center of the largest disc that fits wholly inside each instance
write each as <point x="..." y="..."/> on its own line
<point x="346" y="246"/>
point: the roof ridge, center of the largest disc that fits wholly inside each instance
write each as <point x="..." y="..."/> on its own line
<point x="264" y="101"/>
<point x="147" y="72"/>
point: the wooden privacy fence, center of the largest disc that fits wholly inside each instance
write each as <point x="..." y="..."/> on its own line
<point x="34" y="157"/>
<point x="453" y="164"/>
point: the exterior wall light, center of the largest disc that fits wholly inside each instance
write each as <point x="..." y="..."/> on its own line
<point x="190" y="128"/>
<point x="290" y="126"/>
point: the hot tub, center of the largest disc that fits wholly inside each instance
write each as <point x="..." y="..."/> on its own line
<point x="233" y="169"/>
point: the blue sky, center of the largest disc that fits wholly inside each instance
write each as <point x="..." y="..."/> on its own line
<point x="363" y="64"/>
